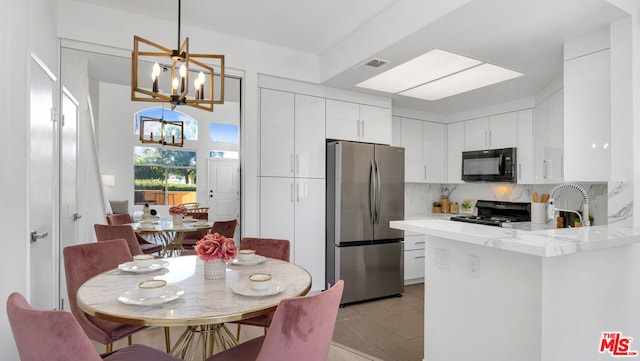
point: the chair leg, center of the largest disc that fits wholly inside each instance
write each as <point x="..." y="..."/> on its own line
<point x="238" y="334"/>
<point x="265" y="330"/>
<point x="167" y="339"/>
<point x="109" y="347"/>
<point x="130" y="339"/>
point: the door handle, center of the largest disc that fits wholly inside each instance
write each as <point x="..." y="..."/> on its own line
<point x="35" y="236"/>
<point x="76" y="216"/>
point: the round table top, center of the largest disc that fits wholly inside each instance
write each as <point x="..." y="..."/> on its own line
<point x="203" y="302"/>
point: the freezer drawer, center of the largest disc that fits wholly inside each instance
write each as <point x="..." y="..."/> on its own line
<point x="370" y="271"/>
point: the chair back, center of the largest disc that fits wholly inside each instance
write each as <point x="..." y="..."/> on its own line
<point x="302" y="327"/>
<point x="106" y="233"/>
<point x="47" y="335"/>
<point x="225" y="228"/>
<point x="118" y="219"/>
<point x="268" y="247"/>
<point x="84" y="261"/>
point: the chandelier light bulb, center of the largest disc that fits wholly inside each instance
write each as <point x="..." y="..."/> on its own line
<point x="174" y="86"/>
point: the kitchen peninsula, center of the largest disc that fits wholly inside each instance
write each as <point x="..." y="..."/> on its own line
<point x="494" y="293"/>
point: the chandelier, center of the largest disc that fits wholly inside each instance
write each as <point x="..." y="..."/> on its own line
<point x="151" y="61"/>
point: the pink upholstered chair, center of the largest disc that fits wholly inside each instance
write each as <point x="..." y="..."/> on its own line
<point x="223" y="228"/>
<point x="268" y="247"/>
<point x="146" y="246"/>
<point x="106" y="233"/>
<point x="57" y="336"/>
<point x="302" y="329"/>
<point x="84" y="261"/>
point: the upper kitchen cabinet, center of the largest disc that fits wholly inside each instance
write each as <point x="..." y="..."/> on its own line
<point x="455" y="146"/>
<point x="525" y="150"/>
<point x="587" y="116"/>
<point x="358" y="122"/>
<point x="292" y="139"/>
<point x="424" y="149"/>
<point x="548" y="129"/>
<point x="496" y="131"/>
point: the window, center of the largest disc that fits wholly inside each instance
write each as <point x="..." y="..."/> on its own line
<point x="164" y="176"/>
<point x="225" y="133"/>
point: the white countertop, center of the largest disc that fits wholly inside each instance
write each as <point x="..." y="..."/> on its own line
<point x="543" y="243"/>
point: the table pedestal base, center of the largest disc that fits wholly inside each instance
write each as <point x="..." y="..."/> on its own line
<point x="208" y="337"/>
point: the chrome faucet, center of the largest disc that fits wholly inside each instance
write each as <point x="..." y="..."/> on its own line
<point x="552" y="210"/>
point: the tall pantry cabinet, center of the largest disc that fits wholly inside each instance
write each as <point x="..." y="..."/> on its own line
<point x="292" y="176"/>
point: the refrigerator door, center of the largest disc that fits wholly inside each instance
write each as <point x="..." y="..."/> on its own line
<point x="353" y="189"/>
<point x="389" y="163"/>
<point x="370" y="271"/>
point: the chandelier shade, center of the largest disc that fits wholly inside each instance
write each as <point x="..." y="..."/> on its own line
<point x="163" y="75"/>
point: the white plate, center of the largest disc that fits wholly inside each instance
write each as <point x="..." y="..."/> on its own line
<point x="244" y="288"/>
<point x="133" y="297"/>
<point x="130" y="267"/>
<point x="257" y="260"/>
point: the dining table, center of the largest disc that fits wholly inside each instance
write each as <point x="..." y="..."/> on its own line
<point x="170" y="234"/>
<point x="202" y="305"/>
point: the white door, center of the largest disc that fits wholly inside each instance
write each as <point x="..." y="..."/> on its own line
<point x="43" y="282"/>
<point x="276" y="133"/>
<point x="69" y="216"/>
<point x="309" y="231"/>
<point x="503" y="131"/>
<point x="224" y="190"/>
<point x="310" y="143"/>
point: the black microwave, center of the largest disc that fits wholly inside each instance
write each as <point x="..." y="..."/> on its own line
<point x="491" y="165"/>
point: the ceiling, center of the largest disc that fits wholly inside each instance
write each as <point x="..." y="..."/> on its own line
<point x="524" y="35"/>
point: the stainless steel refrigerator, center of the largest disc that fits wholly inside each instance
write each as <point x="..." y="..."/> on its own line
<point x="365" y="190"/>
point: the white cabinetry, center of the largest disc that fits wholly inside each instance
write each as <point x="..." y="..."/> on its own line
<point x="292" y="171"/>
<point x="291" y="135"/>
<point x="525" y="146"/>
<point x="455" y="147"/>
<point x="414" y="258"/>
<point x="290" y="209"/>
<point x="494" y="132"/>
<point x="587" y="117"/>
<point x="424" y="149"/>
<point x="358" y="122"/>
<point x="548" y="139"/>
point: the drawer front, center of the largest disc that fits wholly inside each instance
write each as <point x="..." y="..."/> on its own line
<point x="414" y="242"/>
<point x="414" y="264"/>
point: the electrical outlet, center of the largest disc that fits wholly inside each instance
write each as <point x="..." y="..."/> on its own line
<point x="474" y="263"/>
<point x="442" y="259"/>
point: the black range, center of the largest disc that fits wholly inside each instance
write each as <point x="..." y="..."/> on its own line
<point x="495" y="213"/>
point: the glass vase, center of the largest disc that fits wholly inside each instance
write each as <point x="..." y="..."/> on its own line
<point x="215" y="270"/>
<point x="177" y="219"/>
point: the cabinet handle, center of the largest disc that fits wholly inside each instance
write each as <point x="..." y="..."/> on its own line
<point x="550" y="170"/>
<point x="297" y="192"/>
<point x="489" y="131"/>
<point x="291" y="162"/>
<point x="425" y="172"/>
<point x="297" y="163"/>
<point x="362" y="128"/>
<point x="416" y="257"/>
<point x="421" y="242"/>
<point x="35" y="236"/>
<point x="291" y="192"/>
<point x="544" y="169"/>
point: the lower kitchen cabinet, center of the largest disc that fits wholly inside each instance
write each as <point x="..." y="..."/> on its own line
<point x="294" y="209"/>
<point x="414" y="258"/>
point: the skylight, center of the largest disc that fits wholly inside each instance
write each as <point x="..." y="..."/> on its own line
<point x="438" y="74"/>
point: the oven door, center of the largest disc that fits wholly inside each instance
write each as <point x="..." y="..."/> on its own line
<point x="492" y="165"/>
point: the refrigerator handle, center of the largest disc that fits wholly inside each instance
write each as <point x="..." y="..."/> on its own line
<point x="372" y="193"/>
<point x="378" y="193"/>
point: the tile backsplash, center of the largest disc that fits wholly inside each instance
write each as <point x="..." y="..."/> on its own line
<point x="605" y="205"/>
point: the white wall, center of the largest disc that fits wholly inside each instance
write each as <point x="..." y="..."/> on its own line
<point x="25" y="26"/>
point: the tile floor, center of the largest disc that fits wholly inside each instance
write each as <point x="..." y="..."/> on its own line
<point x="389" y="329"/>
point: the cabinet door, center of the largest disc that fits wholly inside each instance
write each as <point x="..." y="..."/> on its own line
<point x="277" y="196"/>
<point x="396" y="131"/>
<point x="414" y="266"/>
<point x="476" y="134"/>
<point x="375" y="124"/>
<point x="455" y="146"/>
<point x="540" y="142"/>
<point x="433" y="151"/>
<point x="343" y="120"/>
<point x="310" y="145"/>
<point x="503" y="130"/>
<point x="554" y="150"/>
<point x="525" y="146"/>
<point x="276" y="133"/>
<point x="310" y="229"/>
<point x="412" y="144"/>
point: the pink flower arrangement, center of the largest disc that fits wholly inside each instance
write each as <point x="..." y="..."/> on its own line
<point x="175" y="210"/>
<point x="213" y="246"/>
